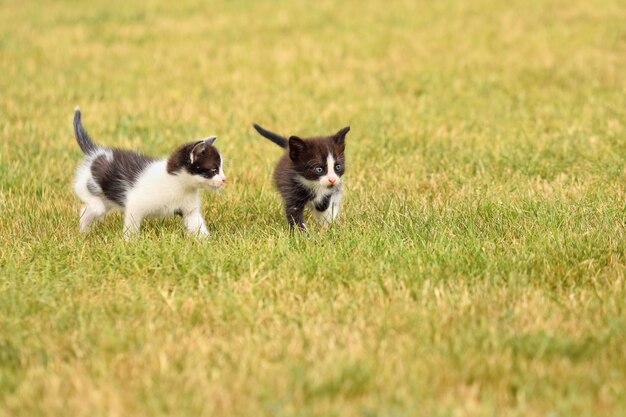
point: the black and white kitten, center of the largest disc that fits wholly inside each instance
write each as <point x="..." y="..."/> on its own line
<point x="309" y="174"/>
<point x="141" y="186"/>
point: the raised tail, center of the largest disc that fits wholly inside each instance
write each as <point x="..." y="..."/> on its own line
<point x="83" y="139"/>
<point x="274" y="137"/>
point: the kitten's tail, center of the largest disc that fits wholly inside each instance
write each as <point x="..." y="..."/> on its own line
<point x="276" y="138"/>
<point x="83" y="139"/>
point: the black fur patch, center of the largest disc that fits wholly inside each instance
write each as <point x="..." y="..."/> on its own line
<point x="82" y="137"/>
<point x="93" y="187"/>
<point x="207" y="160"/>
<point x="323" y="205"/>
<point x="116" y="176"/>
<point x="274" y="137"/>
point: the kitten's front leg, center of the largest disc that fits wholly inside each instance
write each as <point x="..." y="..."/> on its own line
<point x="326" y="211"/>
<point x="295" y="217"/>
<point x="195" y="223"/>
<point x="327" y="216"/>
<point x="132" y="223"/>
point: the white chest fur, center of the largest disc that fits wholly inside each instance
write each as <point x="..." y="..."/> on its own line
<point x="158" y="193"/>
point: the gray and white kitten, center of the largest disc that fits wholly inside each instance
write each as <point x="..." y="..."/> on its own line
<point x="141" y="186"/>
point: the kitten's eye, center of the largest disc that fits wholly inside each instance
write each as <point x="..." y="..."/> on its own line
<point x="210" y="174"/>
<point x="318" y="170"/>
<point x="338" y="167"/>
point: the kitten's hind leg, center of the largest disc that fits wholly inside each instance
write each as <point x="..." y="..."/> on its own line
<point x="92" y="210"/>
<point x="89" y="192"/>
<point x="295" y="217"/>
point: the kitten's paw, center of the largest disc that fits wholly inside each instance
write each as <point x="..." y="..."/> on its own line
<point x="201" y="234"/>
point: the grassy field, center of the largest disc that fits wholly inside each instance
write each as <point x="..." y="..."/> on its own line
<point x="478" y="268"/>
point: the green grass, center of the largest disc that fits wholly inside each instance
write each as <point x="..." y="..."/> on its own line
<point x="478" y="268"/>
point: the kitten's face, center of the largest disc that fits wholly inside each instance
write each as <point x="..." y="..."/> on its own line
<point x="202" y="160"/>
<point x="319" y="161"/>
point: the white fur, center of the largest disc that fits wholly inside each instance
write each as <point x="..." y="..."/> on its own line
<point x="221" y="175"/>
<point x="330" y="214"/>
<point x="331" y="176"/>
<point x="322" y="188"/>
<point x="95" y="206"/>
<point x="155" y="193"/>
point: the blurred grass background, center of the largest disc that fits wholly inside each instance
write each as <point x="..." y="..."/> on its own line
<point x="478" y="265"/>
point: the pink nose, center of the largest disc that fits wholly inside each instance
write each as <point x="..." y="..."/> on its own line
<point x="223" y="178"/>
<point x="332" y="180"/>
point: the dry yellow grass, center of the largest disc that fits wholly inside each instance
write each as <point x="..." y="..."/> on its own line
<point x="479" y="265"/>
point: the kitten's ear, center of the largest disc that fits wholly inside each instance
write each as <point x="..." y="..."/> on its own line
<point x="296" y="147"/>
<point x="197" y="151"/>
<point x="340" y="137"/>
<point x="210" y="140"/>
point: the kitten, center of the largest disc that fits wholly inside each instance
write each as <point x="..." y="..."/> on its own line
<point x="309" y="174"/>
<point x="141" y="186"/>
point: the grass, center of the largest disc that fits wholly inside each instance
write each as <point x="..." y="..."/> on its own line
<point x="478" y="267"/>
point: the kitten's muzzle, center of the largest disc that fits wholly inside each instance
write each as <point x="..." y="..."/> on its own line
<point x="332" y="181"/>
<point x="219" y="180"/>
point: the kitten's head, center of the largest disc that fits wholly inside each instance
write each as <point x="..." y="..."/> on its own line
<point x="319" y="161"/>
<point x="201" y="160"/>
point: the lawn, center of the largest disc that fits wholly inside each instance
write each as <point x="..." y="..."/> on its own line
<point x="478" y="267"/>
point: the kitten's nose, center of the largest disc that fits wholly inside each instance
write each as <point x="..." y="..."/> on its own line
<point x="223" y="178"/>
<point x="332" y="181"/>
